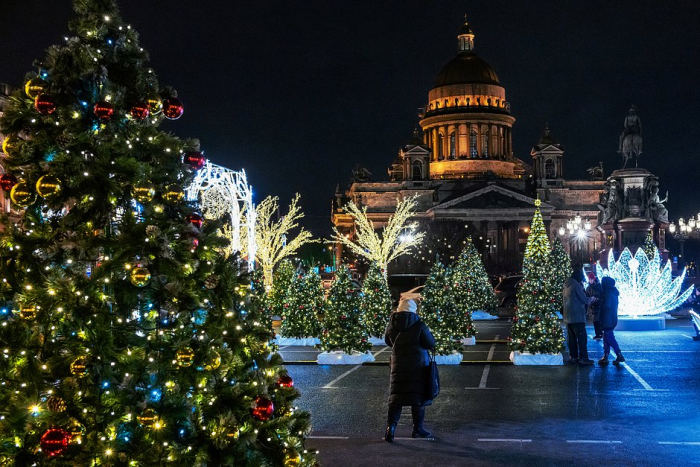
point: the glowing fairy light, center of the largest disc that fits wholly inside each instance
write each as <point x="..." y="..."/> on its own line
<point x="646" y="288"/>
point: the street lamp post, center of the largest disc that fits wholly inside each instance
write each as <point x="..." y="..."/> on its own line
<point x="682" y="233"/>
<point x="577" y="230"/>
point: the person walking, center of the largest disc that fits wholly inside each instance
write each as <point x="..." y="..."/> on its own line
<point x="575" y="303"/>
<point x="608" y="320"/>
<point x="410" y="340"/>
<point x="594" y="290"/>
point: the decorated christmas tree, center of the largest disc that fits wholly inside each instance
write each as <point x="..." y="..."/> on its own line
<point x="649" y="246"/>
<point x="342" y="323"/>
<point x="472" y="288"/>
<point x="306" y="301"/>
<point x="376" y="301"/>
<point x="279" y="292"/>
<point x="439" y="311"/>
<point x="559" y="266"/>
<point x="535" y="327"/>
<point x="130" y="341"/>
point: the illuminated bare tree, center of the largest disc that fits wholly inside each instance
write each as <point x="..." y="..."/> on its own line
<point x="396" y="239"/>
<point x="272" y="236"/>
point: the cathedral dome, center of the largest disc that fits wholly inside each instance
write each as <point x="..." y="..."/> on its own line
<point x="466" y="68"/>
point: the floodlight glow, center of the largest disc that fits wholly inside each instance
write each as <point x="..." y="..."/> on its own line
<point x="581" y="234"/>
<point x="645" y="287"/>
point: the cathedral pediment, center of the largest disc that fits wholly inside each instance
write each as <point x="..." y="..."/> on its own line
<point x="490" y="198"/>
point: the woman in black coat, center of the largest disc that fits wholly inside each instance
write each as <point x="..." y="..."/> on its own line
<point x="609" y="302"/>
<point x="410" y="340"/>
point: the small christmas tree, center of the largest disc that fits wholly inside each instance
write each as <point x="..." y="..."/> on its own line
<point x="559" y="266"/>
<point x="278" y="295"/>
<point x="132" y="341"/>
<point x="342" y="323"/>
<point x="649" y="246"/>
<point x="439" y="311"/>
<point x="376" y="301"/>
<point x="535" y="327"/>
<point x="472" y="289"/>
<point x="306" y="302"/>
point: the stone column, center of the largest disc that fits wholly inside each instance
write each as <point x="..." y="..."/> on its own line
<point x="435" y="143"/>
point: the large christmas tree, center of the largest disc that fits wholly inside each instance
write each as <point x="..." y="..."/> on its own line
<point x="131" y="341"/>
<point x="376" y="301"/>
<point x="305" y="306"/>
<point x="440" y="312"/>
<point x="535" y="327"/>
<point x="342" y="322"/>
<point x="559" y="265"/>
<point x="472" y="288"/>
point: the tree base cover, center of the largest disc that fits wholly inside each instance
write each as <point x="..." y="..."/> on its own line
<point x="338" y="357"/>
<point x="377" y="341"/>
<point x="527" y="358"/>
<point x="480" y="315"/>
<point x="305" y="341"/>
<point x="469" y="340"/>
<point x="455" y="358"/>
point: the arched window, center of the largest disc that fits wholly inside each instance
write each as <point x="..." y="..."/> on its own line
<point x="549" y="169"/>
<point x="485" y="143"/>
<point x="473" y="152"/>
<point x="453" y="146"/>
<point x="417" y="170"/>
<point x="439" y="149"/>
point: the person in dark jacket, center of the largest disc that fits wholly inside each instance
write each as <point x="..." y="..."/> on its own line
<point x="608" y="319"/>
<point x="575" y="303"/>
<point x="594" y="290"/>
<point x="410" y="340"/>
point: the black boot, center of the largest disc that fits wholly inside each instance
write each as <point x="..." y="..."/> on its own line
<point x="389" y="435"/>
<point x="619" y="359"/>
<point x="418" y="414"/>
<point x="604" y="360"/>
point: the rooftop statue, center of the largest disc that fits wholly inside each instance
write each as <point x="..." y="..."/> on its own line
<point x="631" y="138"/>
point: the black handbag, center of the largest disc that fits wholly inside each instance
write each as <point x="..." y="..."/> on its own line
<point x="433" y="377"/>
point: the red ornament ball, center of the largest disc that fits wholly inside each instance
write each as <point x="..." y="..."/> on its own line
<point x="173" y="108"/>
<point x="45" y="104"/>
<point x="286" y="305"/>
<point x="343" y="317"/>
<point x="196" y="160"/>
<point x="537" y="319"/>
<point x="196" y="220"/>
<point x="285" y="381"/>
<point x="54" y="441"/>
<point x="195" y="242"/>
<point x="140" y="111"/>
<point x="7" y="181"/>
<point x="104" y="110"/>
<point x="262" y="408"/>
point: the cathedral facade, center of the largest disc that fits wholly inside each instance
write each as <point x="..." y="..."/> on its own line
<point x="468" y="181"/>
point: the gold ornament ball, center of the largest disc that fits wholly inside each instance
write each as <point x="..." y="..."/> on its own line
<point x="10" y="145"/>
<point x="140" y="276"/>
<point x="184" y="357"/>
<point x="34" y="87"/>
<point x="148" y="418"/>
<point x="76" y="431"/>
<point x="56" y="404"/>
<point x="143" y="192"/>
<point x="49" y="186"/>
<point x="22" y="194"/>
<point x="28" y="312"/>
<point x="79" y="367"/>
<point x="174" y="193"/>
<point x="233" y="432"/>
<point x="292" y="459"/>
<point x="214" y="361"/>
<point x="155" y="105"/>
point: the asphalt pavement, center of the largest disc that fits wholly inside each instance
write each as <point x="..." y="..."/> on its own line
<point x="491" y="413"/>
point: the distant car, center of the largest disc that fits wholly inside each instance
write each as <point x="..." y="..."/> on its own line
<point x="506" y="291"/>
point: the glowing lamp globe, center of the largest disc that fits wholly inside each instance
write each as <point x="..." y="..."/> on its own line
<point x="173" y="108"/>
<point x="45" y="104"/>
<point x="262" y="408"/>
<point x="7" y="181"/>
<point x="34" y="87"/>
<point x="54" y="442"/>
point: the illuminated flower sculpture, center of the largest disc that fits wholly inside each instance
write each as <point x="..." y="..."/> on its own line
<point x="645" y="287"/>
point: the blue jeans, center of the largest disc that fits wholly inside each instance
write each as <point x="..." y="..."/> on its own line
<point x="610" y="341"/>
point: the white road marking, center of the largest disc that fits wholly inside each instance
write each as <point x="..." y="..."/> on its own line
<point x="686" y="335"/>
<point x="504" y="440"/>
<point x="487" y="368"/>
<point x="592" y="441"/>
<point x="637" y="377"/>
<point x="282" y="348"/>
<point x="327" y="437"/>
<point x="330" y="385"/>
<point x="406" y="438"/>
<point x="682" y="443"/>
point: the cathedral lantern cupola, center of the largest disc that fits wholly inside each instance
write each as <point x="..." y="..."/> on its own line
<point x="547" y="158"/>
<point x="466" y="37"/>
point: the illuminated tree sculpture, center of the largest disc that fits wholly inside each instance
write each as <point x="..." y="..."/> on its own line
<point x="272" y="236"/>
<point x="535" y="327"/>
<point x="127" y="338"/>
<point x="397" y="237"/>
<point x="646" y="288"/>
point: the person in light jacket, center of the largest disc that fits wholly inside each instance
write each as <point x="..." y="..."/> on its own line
<point x="608" y="320"/>
<point x="575" y="303"/>
<point x="410" y="340"/>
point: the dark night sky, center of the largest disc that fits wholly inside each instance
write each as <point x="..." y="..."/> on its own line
<point x="298" y="92"/>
